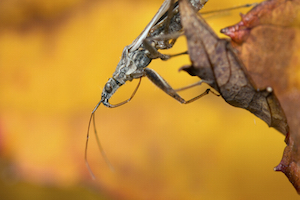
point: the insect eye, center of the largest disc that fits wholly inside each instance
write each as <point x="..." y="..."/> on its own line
<point x="108" y="88"/>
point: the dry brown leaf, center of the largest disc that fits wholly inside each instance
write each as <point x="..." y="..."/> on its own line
<point x="214" y="61"/>
<point x="268" y="40"/>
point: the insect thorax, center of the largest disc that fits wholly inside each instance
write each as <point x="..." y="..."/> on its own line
<point x="131" y="65"/>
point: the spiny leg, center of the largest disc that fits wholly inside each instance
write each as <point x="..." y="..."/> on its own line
<point x="162" y="84"/>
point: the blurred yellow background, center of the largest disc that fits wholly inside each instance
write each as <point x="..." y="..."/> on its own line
<point x="55" y="57"/>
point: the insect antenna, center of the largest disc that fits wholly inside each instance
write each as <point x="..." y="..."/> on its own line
<point x="100" y="146"/>
<point x="92" y="118"/>
<point x="98" y="142"/>
<point x="86" y="147"/>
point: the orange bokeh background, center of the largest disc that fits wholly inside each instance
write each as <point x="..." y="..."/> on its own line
<point x="55" y="58"/>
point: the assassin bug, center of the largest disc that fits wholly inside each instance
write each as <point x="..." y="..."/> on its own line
<point x="160" y="33"/>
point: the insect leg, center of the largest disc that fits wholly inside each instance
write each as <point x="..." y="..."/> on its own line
<point x="167" y="24"/>
<point x="162" y="84"/>
<point x="229" y="9"/>
<point x="190" y="86"/>
<point x="138" y="41"/>
<point x="107" y="104"/>
<point x="153" y="51"/>
<point x="170" y="15"/>
<point x="196" y="84"/>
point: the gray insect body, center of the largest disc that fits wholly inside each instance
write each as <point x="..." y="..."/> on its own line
<point x="137" y="56"/>
<point x="131" y="66"/>
<point x="160" y="33"/>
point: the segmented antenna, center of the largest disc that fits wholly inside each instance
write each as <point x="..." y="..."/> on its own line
<point x="98" y="142"/>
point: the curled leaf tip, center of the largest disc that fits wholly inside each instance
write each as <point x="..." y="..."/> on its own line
<point x="279" y="168"/>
